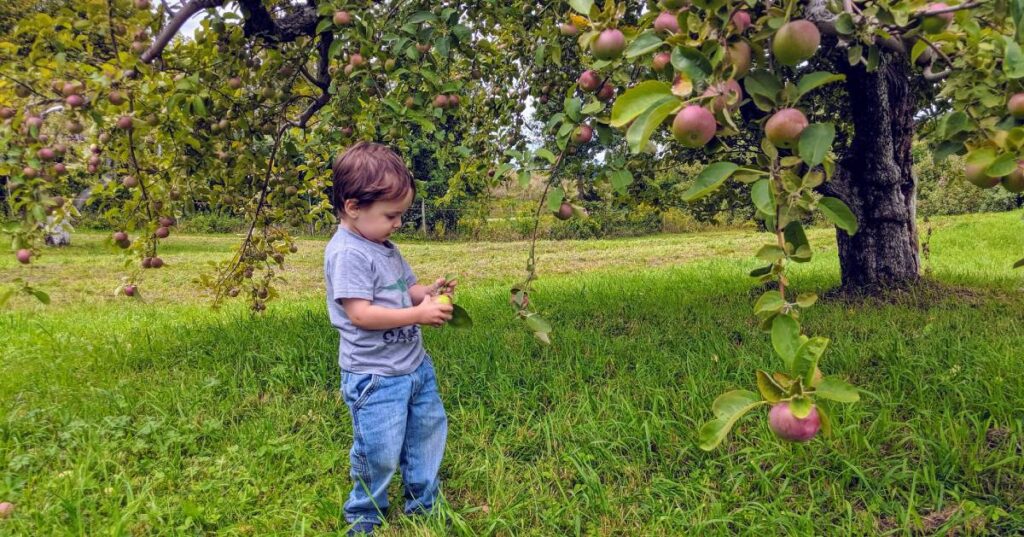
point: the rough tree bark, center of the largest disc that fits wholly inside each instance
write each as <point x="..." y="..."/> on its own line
<point x="875" y="179"/>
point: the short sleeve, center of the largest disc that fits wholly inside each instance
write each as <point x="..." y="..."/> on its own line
<point x="351" y="274"/>
<point x="410" y="278"/>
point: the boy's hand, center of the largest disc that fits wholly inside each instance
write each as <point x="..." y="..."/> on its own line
<point x="432" y="312"/>
<point x="444" y="287"/>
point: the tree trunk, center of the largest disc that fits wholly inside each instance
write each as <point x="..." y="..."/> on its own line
<point x="875" y="179"/>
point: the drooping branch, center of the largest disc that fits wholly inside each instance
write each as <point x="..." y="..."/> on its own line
<point x="174" y="26"/>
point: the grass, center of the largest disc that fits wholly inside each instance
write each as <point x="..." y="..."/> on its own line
<point x="166" y="418"/>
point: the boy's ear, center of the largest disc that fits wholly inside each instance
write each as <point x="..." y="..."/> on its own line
<point x="351" y="208"/>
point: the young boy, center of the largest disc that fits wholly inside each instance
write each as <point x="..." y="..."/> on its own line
<point x="387" y="379"/>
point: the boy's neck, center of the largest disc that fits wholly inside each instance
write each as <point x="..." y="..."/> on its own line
<point x="352" y="229"/>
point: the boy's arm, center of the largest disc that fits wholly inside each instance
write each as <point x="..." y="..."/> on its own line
<point x="365" y="315"/>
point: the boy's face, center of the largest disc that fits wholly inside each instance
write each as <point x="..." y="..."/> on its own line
<point x="377" y="221"/>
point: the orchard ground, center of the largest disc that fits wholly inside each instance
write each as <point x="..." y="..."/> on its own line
<point x="160" y="416"/>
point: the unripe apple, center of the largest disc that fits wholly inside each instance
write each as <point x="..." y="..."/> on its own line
<point x="609" y="44"/>
<point x="741" y="21"/>
<point x="661" y="61"/>
<point x="783" y="129"/>
<point x="795" y="42"/>
<point x="564" y="211"/>
<point x="694" y="126"/>
<point x="589" y="81"/>
<point x="342" y="18"/>
<point x="666" y="23"/>
<point x="791" y="428"/>
<point x="933" y="24"/>
<point x="1016" y="105"/>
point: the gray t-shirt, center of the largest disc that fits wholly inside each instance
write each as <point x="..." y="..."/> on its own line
<point x="355" y="267"/>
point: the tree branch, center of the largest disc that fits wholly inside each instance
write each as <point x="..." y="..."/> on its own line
<point x="168" y="32"/>
<point x="966" y="5"/>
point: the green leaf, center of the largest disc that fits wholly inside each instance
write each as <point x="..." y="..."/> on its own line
<point x="919" y="47"/>
<point x="826" y="420"/>
<point x="796" y="241"/>
<point x="709" y="180"/>
<point x="807" y="357"/>
<point x="593" y="107"/>
<point x="812" y="81"/>
<point x="1017" y="11"/>
<point x="800" y="406"/>
<point x="420" y="16"/>
<point x="786" y="338"/>
<point x="761" y="195"/>
<point x="981" y="157"/>
<point x="692" y="62"/>
<point x="945" y="149"/>
<point x="1003" y="165"/>
<point x="537" y="323"/>
<point x="855" y="54"/>
<point x="844" y="23"/>
<point x="727" y="404"/>
<point x="524" y="178"/>
<point x="638" y="99"/>
<point x="836" y="211"/>
<point x="323" y="25"/>
<point x="461" y="33"/>
<point x="728" y="408"/>
<point x="40" y="295"/>
<point x="642" y="44"/>
<point x="443" y="46"/>
<point x="620" y="180"/>
<point x="816" y="142"/>
<point x="547" y="155"/>
<point x="581" y="6"/>
<point x="572" y="107"/>
<point x="760" y="272"/>
<point x="555" y="197"/>
<point x="771" y="253"/>
<point x="198" y="106"/>
<point x="837" y="390"/>
<point x="460" y="317"/>
<point x="806" y="300"/>
<point x="763" y="83"/>
<point x="1013" y="62"/>
<point x="645" y="125"/>
<point x="769" y="389"/>
<point x="769" y="302"/>
<point x="954" y="123"/>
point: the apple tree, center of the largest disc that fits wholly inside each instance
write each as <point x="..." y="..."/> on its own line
<point x="247" y="113"/>
<point x="812" y="106"/>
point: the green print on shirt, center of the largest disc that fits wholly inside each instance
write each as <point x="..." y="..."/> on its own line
<point x="400" y="286"/>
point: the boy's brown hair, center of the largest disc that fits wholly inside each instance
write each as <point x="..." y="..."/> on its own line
<point x="368" y="172"/>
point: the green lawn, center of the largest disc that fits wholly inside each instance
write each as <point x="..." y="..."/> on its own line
<point x="162" y="417"/>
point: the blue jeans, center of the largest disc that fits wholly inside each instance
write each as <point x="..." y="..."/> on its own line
<point x="397" y="422"/>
